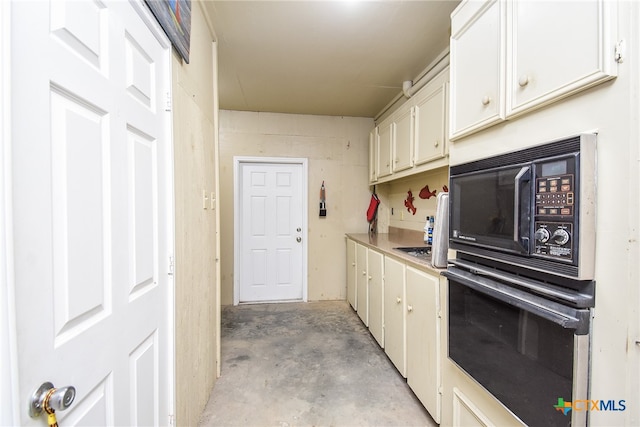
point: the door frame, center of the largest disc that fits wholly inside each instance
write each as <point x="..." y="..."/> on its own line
<point x="238" y="161"/>
<point x="10" y="393"/>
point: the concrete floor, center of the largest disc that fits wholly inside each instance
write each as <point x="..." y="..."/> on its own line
<point x="306" y="364"/>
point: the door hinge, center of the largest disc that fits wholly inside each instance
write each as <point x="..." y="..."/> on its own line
<point x="172" y="420"/>
<point x="620" y="51"/>
<point x="168" y="106"/>
<point x="171" y="265"/>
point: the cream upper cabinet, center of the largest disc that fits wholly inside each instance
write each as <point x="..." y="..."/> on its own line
<point x="477" y="66"/>
<point x="394" y="314"/>
<point x="413" y="138"/>
<point x="386" y="136"/>
<point x="571" y="50"/>
<point x="510" y="57"/>
<point x="430" y="125"/>
<point x="403" y="143"/>
<point x="373" y="155"/>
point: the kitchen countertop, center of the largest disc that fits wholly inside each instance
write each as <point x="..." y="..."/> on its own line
<point x="387" y="242"/>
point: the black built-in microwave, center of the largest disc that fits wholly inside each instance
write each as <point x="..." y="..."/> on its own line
<point x="533" y="208"/>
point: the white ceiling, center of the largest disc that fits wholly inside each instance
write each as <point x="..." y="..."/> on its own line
<point x="339" y="58"/>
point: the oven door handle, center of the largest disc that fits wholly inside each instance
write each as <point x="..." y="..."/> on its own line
<point x="517" y="202"/>
<point x="567" y="317"/>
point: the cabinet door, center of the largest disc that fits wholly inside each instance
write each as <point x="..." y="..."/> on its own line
<point x="394" y="314"/>
<point x="351" y="273"/>
<point x="403" y="142"/>
<point x="373" y="155"/>
<point x="362" y="287"/>
<point x="386" y="135"/>
<point x="559" y="48"/>
<point x="477" y="66"/>
<point x="430" y="133"/>
<point x="423" y="339"/>
<point x="466" y="413"/>
<point x="375" y="268"/>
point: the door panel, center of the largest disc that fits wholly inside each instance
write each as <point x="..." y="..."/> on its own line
<point x="92" y="231"/>
<point x="80" y="247"/>
<point x="94" y="408"/>
<point x="143" y="217"/>
<point x="375" y="270"/>
<point x="423" y="338"/>
<point x="362" y="284"/>
<point x="271" y="256"/>
<point x="79" y="27"/>
<point x="395" y="333"/>
<point x="352" y="272"/>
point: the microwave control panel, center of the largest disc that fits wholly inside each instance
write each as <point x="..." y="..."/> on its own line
<point x="554" y="216"/>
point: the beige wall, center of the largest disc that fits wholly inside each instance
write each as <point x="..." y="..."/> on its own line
<point x="393" y="195"/>
<point x="337" y="149"/>
<point x="194" y="108"/>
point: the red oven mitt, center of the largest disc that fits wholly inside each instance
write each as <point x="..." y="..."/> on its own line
<point x="373" y="208"/>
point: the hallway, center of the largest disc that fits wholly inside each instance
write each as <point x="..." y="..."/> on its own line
<point x="304" y="364"/>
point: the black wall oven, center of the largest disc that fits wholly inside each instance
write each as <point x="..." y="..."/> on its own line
<point x="521" y="287"/>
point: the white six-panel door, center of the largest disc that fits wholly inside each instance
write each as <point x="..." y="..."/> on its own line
<point x="92" y="225"/>
<point x="271" y="232"/>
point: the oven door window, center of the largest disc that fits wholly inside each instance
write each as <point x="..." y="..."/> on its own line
<point x="492" y="209"/>
<point x="525" y="361"/>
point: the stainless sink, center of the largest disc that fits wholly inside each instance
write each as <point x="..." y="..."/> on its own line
<point x="422" y="252"/>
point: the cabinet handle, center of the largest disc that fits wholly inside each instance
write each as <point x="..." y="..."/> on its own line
<point x="486" y="100"/>
<point x="436" y="143"/>
<point x="370" y="277"/>
<point x="409" y="308"/>
<point x="523" y="80"/>
<point x="364" y="272"/>
<point x="353" y="264"/>
<point x="398" y="301"/>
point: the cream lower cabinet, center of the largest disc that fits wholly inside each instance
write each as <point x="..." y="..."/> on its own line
<point x="375" y="270"/>
<point x="368" y="286"/>
<point x="400" y="305"/>
<point x="423" y="338"/>
<point x="395" y="333"/>
<point x="362" y="284"/>
<point x="352" y="272"/>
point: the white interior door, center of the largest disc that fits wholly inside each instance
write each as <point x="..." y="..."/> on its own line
<point x="272" y="232"/>
<point x="92" y="227"/>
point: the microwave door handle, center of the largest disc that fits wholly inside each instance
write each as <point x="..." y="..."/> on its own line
<point x="517" y="203"/>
